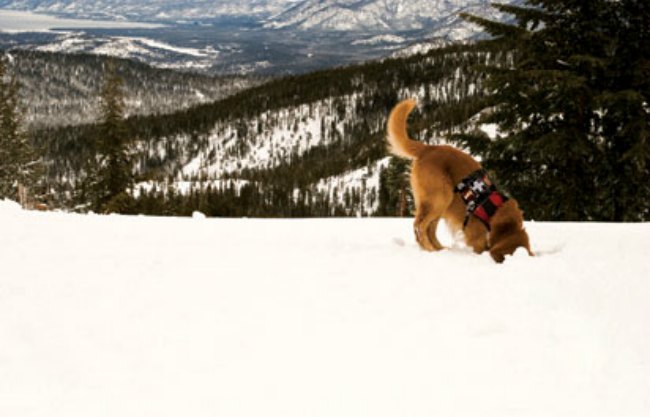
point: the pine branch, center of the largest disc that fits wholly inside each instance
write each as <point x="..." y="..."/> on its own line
<point x="525" y="15"/>
<point x="496" y="29"/>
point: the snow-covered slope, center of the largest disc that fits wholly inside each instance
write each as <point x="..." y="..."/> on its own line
<point x="227" y="36"/>
<point x="134" y="316"/>
<point x="153" y="52"/>
<point x="149" y="10"/>
<point x="438" y="16"/>
<point x="276" y="137"/>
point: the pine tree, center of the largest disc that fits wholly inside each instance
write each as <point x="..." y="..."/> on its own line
<point x="19" y="164"/>
<point x="395" y="197"/>
<point x="112" y="175"/>
<point x="573" y="106"/>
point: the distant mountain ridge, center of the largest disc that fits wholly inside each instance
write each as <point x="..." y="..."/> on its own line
<point x="435" y="17"/>
<point x="149" y="10"/>
<point x="264" y="37"/>
<point x="382" y="15"/>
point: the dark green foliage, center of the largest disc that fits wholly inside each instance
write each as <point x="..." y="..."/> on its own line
<point x="59" y="89"/>
<point x="19" y="164"/>
<point x="395" y="196"/>
<point x="111" y="170"/>
<point x="573" y="106"/>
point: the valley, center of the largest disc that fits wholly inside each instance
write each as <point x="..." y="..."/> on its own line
<point x="267" y="37"/>
<point x="217" y="47"/>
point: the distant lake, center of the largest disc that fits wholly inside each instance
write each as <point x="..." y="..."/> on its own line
<point x="16" y="21"/>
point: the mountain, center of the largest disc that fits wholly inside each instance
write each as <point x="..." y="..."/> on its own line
<point x="435" y="17"/>
<point x="62" y="89"/>
<point x="338" y="15"/>
<point x="149" y="10"/>
<point x="263" y="37"/>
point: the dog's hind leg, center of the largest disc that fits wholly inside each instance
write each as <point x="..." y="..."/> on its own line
<point x="425" y="225"/>
<point x="423" y="218"/>
<point x="431" y="232"/>
<point x="432" y="195"/>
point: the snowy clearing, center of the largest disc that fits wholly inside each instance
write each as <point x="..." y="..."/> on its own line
<point x="136" y="316"/>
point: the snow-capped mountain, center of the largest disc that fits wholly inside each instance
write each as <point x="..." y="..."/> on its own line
<point x="150" y="10"/>
<point x="383" y="15"/>
<point x="338" y="15"/>
<point x="262" y="36"/>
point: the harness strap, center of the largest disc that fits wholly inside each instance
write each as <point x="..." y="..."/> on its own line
<point x="481" y="197"/>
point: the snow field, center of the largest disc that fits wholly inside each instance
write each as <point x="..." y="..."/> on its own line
<point x="138" y="316"/>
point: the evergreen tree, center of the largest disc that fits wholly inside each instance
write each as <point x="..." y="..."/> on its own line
<point x="19" y="165"/>
<point x="395" y="197"/>
<point x="112" y="175"/>
<point x="573" y="106"/>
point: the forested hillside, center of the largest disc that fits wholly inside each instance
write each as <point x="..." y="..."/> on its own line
<point x="61" y="89"/>
<point x="555" y="105"/>
<point x="296" y="146"/>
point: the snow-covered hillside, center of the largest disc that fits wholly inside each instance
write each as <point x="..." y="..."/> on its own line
<point x="148" y="10"/>
<point x="155" y="53"/>
<point x="134" y="316"/>
<point x="261" y="36"/>
<point x="267" y="140"/>
<point x="440" y="17"/>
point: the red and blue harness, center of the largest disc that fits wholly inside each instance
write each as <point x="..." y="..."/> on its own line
<point x="481" y="197"/>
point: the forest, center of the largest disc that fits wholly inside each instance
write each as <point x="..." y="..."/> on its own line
<point x="571" y="118"/>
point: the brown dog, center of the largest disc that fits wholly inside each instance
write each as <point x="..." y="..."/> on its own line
<point x="435" y="171"/>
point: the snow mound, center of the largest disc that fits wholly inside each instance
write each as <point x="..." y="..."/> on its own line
<point x="9" y="206"/>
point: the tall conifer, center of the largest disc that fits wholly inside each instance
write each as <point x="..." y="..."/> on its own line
<point x="572" y="108"/>
<point x="19" y="164"/>
<point x="395" y="198"/>
<point x="113" y="174"/>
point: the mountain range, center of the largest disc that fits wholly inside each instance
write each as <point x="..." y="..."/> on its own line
<point x="265" y="37"/>
<point x="431" y="17"/>
<point x="437" y="17"/>
<point x="150" y="10"/>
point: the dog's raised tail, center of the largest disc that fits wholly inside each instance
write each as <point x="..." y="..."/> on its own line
<point x="399" y="143"/>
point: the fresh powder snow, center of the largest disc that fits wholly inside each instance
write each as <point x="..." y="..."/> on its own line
<point x="132" y="316"/>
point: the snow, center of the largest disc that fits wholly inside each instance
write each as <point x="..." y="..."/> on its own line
<point x="153" y="9"/>
<point x="187" y="187"/>
<point x="440" y="18"/>
<point x="380" y="39"/>
<point x="165" y="46"/>
<point x="365" y="179"/>
<point x="282" y="133"/>
<point x="133" y="47"/>
<point x="132" y="316"/>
